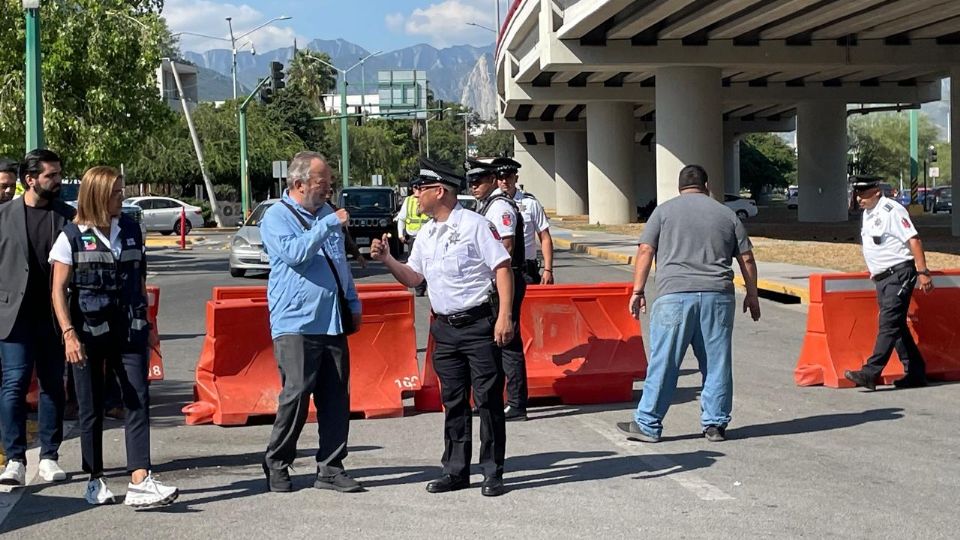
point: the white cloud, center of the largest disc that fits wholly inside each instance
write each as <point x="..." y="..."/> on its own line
<point x="446" y="23"/>
<point x="209" y="17"/>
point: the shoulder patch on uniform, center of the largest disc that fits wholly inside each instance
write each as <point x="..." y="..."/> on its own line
<point x="493" y="229"/>
<point x="507" y="219"/>
<point x="906" y="223"/>
<point x="888" y="207"/>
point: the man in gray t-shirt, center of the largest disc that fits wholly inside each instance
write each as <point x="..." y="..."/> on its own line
<point x="694" y="239"/>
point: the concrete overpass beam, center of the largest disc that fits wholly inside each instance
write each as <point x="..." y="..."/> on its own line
<point x="536" y="171"/>
<point x="822" y="161"/>
<point x="610" y="163"/>
<point x="570" y="149"/>
<point x="689" y="127"/>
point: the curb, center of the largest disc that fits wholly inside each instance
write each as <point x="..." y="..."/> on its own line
<point x="171" y="242"/>
<point x="762" y="284"/>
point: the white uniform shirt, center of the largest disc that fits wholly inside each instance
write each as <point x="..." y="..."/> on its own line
<point x="889" y="222"/>
<point x="458" y="258"/>
<point x="534" y="222"/>
<point x="503" y="217"/>
<point x="62" y="253"/>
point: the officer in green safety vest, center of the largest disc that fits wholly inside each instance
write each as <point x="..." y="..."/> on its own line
<point x="409" y="221"/>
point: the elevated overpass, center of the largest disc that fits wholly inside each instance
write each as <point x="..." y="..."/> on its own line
<point x="609" y="99"/>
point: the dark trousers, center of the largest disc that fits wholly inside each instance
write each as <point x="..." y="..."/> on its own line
<point x="894" y="300"/>
<point x="514" y="362"/>
<point x="463" y="357"/>
<point x="22" y="351"/>
<point x="318" y="365"/>
<point x="112" y="357"/>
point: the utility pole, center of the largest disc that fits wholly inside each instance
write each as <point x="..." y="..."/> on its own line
<point x="233" y="51"/>
<point x="34" y="88"/>
<point x="914" y="158"/>
<point x="244" y="161"/>
<point x="211" y="196"/>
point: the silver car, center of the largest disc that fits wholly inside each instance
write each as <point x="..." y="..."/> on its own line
<point x="246" y="248"/>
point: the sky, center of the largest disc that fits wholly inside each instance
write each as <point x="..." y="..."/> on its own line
<point x="373" y="24"/>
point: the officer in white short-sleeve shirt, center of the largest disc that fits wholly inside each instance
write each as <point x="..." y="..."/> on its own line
<point x="470" y="287"/>
<point x="895" y="259"/>
<point x="536" y="226"/>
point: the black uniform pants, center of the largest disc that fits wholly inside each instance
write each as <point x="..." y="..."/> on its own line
<point x="463" y="357"/>
<point x="111" y="356"/>
<point x="894" y="299"/>
<point x="318" y="365"/>
<point x="514" y="362"/>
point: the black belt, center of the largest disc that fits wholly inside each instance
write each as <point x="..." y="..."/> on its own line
<point x="892" y="270"/>
<point x="463" y="318"/>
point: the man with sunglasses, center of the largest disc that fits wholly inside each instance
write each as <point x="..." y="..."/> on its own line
<point x="536" y="224"/>
<point x="894" y="255"/>
<point x="503" y="212"/>
<point x="470" y="287"/>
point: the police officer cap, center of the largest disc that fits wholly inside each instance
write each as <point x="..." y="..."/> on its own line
<point x="505" y="165"/>
<point x="477" y="169"/>
<point x="863" y="183"/>
<point x="431" y="173"/>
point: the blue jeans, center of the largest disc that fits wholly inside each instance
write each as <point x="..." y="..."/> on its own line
<point x="19" y="355"/>
<point x="705" y="321"/>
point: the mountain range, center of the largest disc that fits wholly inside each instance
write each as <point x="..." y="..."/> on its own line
<point x="461" y="73"/>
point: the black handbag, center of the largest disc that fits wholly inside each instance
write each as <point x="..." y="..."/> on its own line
<point x="343" y="305"/>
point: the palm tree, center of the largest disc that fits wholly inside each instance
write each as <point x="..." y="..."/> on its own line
<point x="312" y="78"/>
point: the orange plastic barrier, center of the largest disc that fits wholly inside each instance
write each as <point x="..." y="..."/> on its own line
<point x="842" y="328"/>
<point x="155" y="367"/>
<point x="260" y="291"/>
<point x="237" y="375"/>
<point x="580" y="344"/>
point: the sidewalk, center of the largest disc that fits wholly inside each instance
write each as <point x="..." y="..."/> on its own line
<point x="774" y="278"/>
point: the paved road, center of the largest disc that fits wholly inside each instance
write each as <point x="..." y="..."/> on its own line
<point x="809" y="462"/>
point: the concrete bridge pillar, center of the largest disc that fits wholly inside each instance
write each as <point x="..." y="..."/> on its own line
<point x="536" y="171"/>
<point x="731" y="163"/>
<point x="610" y="160"/>
<point x="570" y="149"/>
<point x="689" y="127"/>
<point x="822" y="161"/>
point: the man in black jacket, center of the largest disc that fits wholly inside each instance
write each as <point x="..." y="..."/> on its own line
<point x="28" y="227"/>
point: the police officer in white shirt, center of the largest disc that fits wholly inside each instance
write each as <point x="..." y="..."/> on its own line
<point x="504" y="214"/>
<point x="894" y="256"/>
<point x="470" y="288"/>
<point x="535" y="223"/>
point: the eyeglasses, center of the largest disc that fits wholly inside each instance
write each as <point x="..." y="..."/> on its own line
<point x="424" y="188"/>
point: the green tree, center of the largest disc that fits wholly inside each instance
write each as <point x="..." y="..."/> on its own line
<point x="880" y="144"/>
<point x="766" y="160"/>
<point x="494" y="143"/>
<point x="99" y="59"/>
<point x="311" y="78"/>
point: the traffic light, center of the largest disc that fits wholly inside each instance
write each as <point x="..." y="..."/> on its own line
<point x="358" y="110"/>
<point x="440" y="114"/>
<point x="932" y="154"/>
<point x="266" y="93"/>
<point x="276" y="76"/>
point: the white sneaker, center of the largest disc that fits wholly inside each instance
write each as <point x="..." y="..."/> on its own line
<point x="150" y="493"/>
<point x="14" y="474"/>
<point x="98" y="493"/>
<point x="51" y="472"/>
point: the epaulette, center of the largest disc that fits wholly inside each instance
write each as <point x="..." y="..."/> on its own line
<point x="888" y="207"/>
<point x="528" y="196"/>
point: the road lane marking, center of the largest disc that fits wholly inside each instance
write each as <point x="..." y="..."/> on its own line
<point x="688" y="480"/>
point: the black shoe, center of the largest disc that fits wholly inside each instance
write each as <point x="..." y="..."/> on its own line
<point x="911" y="381"/>
<point x="341" y="482"/>
<point x="859" y="378"/>
<point x="514" y="414"/>
<point x="278" y="480"/>
<point x="715" y="433"/>
<point x="634" y="433"/>
<point x="492" y="487"/>
<point x="447" y="482"/>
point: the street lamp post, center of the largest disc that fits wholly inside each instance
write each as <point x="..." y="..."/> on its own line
<point x="466" y="136"/>
<point x="235" y="39"/>
<point x="33" y="88"/>
<point x="344" y="139"/>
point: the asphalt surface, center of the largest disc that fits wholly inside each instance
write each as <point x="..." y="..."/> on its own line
<point x="799" y="462"/>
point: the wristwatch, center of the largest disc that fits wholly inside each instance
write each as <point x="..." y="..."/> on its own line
<point x="924" y="272"/>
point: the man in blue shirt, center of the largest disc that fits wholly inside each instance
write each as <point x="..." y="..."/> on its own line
<point x="304" y="239"/>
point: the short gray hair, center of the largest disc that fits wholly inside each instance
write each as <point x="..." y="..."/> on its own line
<point x="299" y="168"/>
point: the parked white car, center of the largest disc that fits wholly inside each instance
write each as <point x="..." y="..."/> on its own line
<point x="744" y="208"/>
<point x="162" y="214"/>
<point x="246" y="248"/>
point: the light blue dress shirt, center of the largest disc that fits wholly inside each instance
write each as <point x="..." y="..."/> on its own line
<point x="301" y="291"/>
